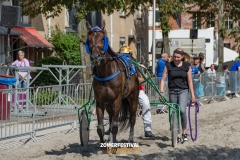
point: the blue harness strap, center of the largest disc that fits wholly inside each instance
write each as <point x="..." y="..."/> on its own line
<point x="107" y="78"/>
<point x="129" y="69"/>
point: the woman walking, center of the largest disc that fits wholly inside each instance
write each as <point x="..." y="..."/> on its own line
<point x="179" y="82"/>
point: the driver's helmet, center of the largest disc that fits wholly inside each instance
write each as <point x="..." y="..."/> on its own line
<point x="125" y="49"/>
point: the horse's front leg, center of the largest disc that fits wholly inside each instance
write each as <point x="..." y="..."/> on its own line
<point x="100" y="116"/>
<point x="114" y="125"/>
<point x="109" y="109"/>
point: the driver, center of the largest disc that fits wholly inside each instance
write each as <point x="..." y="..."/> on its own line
<point x="143" y="100"/>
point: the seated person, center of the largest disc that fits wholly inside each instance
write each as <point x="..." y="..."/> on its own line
<point x="22" y="62"/>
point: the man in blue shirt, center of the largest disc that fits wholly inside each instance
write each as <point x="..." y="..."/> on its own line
<point x="161" y="63"/>
<point x="235" y="66"/>
<point x="234" y="73"/>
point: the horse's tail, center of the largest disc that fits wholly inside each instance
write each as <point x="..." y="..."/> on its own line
<point x="124" y="118"/>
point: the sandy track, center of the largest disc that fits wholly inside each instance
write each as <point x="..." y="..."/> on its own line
<point x="218" y="138"/>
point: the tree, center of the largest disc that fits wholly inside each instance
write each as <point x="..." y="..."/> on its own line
<point x="66" y="45"/>
<point x="33" y="8"/>
<point x="168" y="9"/>
<point x="221" y="9"/>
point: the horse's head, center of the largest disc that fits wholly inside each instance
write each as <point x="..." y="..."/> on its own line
<point x="96" y="43"/>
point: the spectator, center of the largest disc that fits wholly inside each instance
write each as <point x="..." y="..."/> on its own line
<point x="226" y="75"/>
<point x="201" y="57"/>
<point x="197" y="85"/>
<point x="199" y="65"/>
<point x="170" y="59"/>
<point x="180" y="82"/>
<point x="238" y="57"/>
<point x="195" y="71"/>
<point x="22" y="62"/>
<point x="211" y="73"/>
<point x="186" y="57"/>
<point x="233" y="77"/>
<point x="161" y="63"/>
<point x="210" y="80"/>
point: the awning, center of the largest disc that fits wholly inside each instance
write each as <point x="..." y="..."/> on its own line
<point x="4" y="31"/>
<point x="32" y="37"/>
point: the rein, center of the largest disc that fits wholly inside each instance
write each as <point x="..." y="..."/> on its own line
<point x="190" y="125"/>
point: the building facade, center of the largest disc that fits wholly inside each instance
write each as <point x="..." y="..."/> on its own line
<point x="189" y="21"/>
<point x="131" y="31"/>
<point x="23" y="37"/>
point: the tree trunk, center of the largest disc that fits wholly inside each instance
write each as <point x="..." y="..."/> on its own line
<point x="85" y="58"/>
<point x="221" y="34"/>
<point x="166" y="43"/>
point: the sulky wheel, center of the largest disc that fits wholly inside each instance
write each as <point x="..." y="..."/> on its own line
<point x="84" y="130"/>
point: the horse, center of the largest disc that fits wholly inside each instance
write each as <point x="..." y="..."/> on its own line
<point x="113" y="91"/>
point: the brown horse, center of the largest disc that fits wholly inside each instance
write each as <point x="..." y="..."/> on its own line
<point x="112" y="90"/>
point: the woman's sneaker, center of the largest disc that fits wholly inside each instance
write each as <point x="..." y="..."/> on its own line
<point x="184" y="137"/>
<point x="178" y="139"/>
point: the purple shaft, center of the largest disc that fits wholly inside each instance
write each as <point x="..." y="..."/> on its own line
<point x="190" y="125"/>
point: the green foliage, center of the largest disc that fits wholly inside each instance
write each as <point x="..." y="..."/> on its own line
<point x="46" y="78"/>
<point x="169" y="9"/>
<point x="66" y="45"/>
<point x="45" y="97"/>
<point x="235" y="34"/>
<point x="33" y="8"/>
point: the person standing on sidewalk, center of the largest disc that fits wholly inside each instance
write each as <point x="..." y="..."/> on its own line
<point x="179" y="82"/>
<point x="22" y="62"/>
<point x="161" y="63"/>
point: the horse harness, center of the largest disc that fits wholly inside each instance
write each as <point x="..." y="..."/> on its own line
<point x="128" y="68"/>
<point x="123" y="58"/>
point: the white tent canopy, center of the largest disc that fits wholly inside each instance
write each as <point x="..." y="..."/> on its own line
<point x="229" y="55"/>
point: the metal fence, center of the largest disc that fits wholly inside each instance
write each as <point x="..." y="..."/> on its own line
<point x="207" y="87"/>
<point x="27" y="111"/>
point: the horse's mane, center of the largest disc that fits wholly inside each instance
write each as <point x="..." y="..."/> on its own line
<point x="111" y="52"/>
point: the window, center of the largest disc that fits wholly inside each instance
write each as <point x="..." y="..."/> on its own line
<point x="157" y="17"/>
<point x="229" y="23"/>
<point x="25" y="19"/>
<point x="122" y="13"/>
<point x="196" y="21"/>
<point x="15" y="2"/>
<point x="139" y="50"/>
<point x="210" y="20"/>
<point x="122" y="41"/>
<point x="73" y="21"/>
<point x="227" y="45"/>
<point x="94" y="18"/>
<point x="139" y="12"/>
<point x="66" y="18"/>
